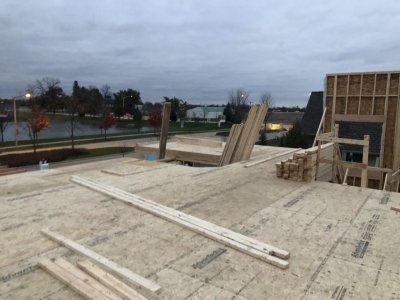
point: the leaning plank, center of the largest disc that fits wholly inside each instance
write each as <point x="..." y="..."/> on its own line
<point x="220" y="234"/>
<point x="342" y="140"/>
<point x="118" y="287"/>
<point x="82" y="288"/>
<point x="86" y="278"/>
<point x="395" y="208"/>
<point x="101" y="260"/>
<point x="231" y="144"/>
<point x="164" y="130"/>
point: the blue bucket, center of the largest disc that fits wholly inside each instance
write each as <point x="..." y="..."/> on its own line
<point x="150" y="157"/>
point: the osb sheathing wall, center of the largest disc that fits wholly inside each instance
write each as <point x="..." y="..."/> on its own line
<point x="368" y="94"/>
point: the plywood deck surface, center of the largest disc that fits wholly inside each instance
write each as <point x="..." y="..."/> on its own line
<point x="343" y="240"/>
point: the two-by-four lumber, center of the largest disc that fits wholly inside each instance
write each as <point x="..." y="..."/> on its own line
<point x="225" y="236"/>
<point x="254" y="163"/>
<point x="237" y="154"/>
<point x="82" y="288"/>
<point x="395" y="208"/>
<point x="231" y="144"/>
<point x="164" y="130"/>
<point x="109" y="281"/>
<point x="199" y="141"/>
<point x="364" y="172"/>
<point x="345" y="164"/>
<point x="104" y="262"/>
<point x="342" y="140"/>
<point x="255" y="131"/>
<point x="86" y="278"/>
<point x="359" y="118"/>
<point x="320" y="126"/>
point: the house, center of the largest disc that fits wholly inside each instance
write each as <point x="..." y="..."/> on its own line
<point x="312" y="116"/>
<point x="205" y="112"/>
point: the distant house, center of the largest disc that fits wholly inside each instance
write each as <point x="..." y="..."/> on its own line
<point x="312" y="116"/>
<point x="205" y="112"/>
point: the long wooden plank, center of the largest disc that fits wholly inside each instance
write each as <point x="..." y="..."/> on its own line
<point x="342" y="140"/>
<point x="103" y="261"/>
<point x="231" y="144"/>
<point x="112" y="283"/>
<point x="139" y="201"/>
<point x="82" y="288"/>
<point x="220" y="234"/>
<point x="320" y="126"/>
<point x="237" y="154"/>
<point x="359" y="118"/>
<point x="164" y="130"/>
<point x="134" y="199"/>
<point x="395" y="208"/>
<point x="255" y="163"/>
<point x="255" y="131"/>
<point x="384" y="133"/>
<point x="86" y="278"/>
<point x="345" y="164"/>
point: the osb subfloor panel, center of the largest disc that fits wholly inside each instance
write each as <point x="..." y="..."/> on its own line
<point x="343" y="240"/>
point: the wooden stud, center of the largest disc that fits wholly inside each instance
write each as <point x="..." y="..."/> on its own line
<point x="359" y="99"/>
<point x="82" y="288"/>
<point x="86" y="278"/>
<point x="318" y="159"/>
<point x="373" y="96"/>
<point x="364" y="172"/>
<point x="346" y="164"/>
<point x="164" y="130"/>
<point x="104" y="262"/>
<point x="112" y="283"/>
<point x="342" y="140"/>
<point x="396" y="144"/>
<point x="359" y="118"/>
<point x="385" y="123"/>
<point x="395" y="208"/>
<point x="334" y="101"/>
<point x="320" y="126"/>
<point x="347" y="93"/>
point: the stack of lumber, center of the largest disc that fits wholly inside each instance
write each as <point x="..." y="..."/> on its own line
<point x="247" y="245"/>
<point x="302" y="166"/>
<point x="242" y="138"/>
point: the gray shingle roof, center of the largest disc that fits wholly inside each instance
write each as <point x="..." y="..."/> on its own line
<point x="357" y="130"/>
<point x="313" y="114"/>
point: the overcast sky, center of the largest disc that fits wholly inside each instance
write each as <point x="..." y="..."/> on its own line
<point x="196" y="50"/>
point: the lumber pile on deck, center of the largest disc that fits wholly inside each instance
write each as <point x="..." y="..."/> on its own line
<point x="302" y="166"/>
<point x="242" y="243"/>
<point x="242" y="137"/>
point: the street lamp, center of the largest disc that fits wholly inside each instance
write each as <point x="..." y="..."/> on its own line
<point x="15" y="120"/>
<point x="123" y="100"/>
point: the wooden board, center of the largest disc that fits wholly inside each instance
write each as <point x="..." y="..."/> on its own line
<point x="164" y="129"/>
<point x="118" y="287"/>
<point x="104" y="262"/>
<point x="208" y="142"/>
<point x="82" y="288"/>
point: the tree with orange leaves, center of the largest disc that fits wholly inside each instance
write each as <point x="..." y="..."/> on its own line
<point x="38" y="122"/>
<point x="107" y="122"/>
<point x="155" y="119"/>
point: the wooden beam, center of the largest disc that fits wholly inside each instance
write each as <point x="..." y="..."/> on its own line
<point x="373" y="96"/>
<point x="345" y="164"/>
<point x="342" y="140"/>
<point x="86" y="278"/>
<point x="345" y="177"/>
<point x="164" y="130"/>
<point x="104" y="262"/>
<point x="82" y="288"/>
<point x="359" y="118"/>
<point x="364" y="172"/>
<point x="395" y="208"/>
<point x="347" y="93"/>
<point x="359" y="99"/>
<point x="320" y="126"/>
<point x="318" y="159"/>
<point x="396" y="142"/>
<point x="382" y="156"/>
<point x="225" y="236"/>
<point x="231" y="144"/>
<point x="334" y="100"/>
<point x="112" y="283"/>
<point x="252" y="164"/>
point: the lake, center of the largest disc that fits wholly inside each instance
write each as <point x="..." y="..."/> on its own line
<point x="58" y="130"/>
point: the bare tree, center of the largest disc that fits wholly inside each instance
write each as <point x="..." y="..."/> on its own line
<point x="37" y="122"/>
<point x="266" y="98"/>
<point x="238" y="99"/>
<point x="73" y="108"/>
<point x="51" y="95"/>
<point x="5" y="119"/>
<point x="204" y="112"/>
<point x="106" y="92"/>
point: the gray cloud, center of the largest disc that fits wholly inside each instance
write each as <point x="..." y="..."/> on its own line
<point x="196" y="50"/>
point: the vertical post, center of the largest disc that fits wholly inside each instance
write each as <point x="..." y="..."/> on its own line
<point x="319" y="127"/>
<point x="318" y="156"/>
<point x="164" y="130"/>
<point x="364" y="172"/>
<point x="335" y="145"/>
<point x="15" y="126"/>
